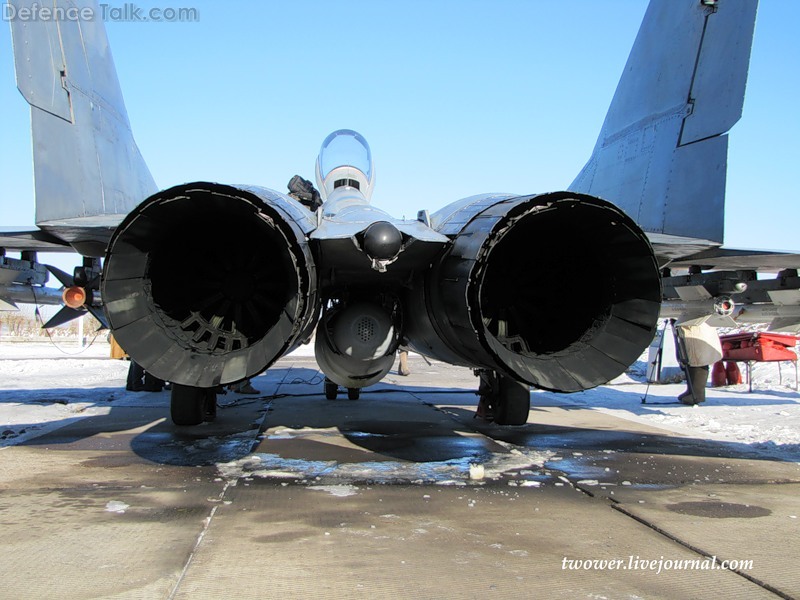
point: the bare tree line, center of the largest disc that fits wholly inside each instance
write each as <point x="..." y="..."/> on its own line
<point x="19" y="324"/>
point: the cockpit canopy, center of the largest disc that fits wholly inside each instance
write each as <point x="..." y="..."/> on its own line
<point x="345" y="160"/>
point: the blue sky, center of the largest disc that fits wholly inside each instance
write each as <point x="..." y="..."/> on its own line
<point x="454" y="97"/>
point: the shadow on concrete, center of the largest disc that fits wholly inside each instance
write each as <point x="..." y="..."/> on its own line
<point x="141" y="422"/>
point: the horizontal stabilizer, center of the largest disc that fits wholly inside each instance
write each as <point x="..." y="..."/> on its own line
<point x="33" y="240"/>
<point x="733" y="259"/>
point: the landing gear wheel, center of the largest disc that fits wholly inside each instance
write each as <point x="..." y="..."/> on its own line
<point x="331" y="389"/>
<point x="512" y="401"/>
<point x="188" y="404"/>
<point x="210" y="405"/>
<point x="353" y="393"/>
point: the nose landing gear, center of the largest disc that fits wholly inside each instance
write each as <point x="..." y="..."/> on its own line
<point x="332" y="391"/>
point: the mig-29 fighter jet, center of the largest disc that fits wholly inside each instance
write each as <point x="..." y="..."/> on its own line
<point x="206" y="284"/>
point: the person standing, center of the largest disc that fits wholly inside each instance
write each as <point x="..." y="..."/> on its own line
<point x="697" y="347"/>
<point x="402" y="368"/>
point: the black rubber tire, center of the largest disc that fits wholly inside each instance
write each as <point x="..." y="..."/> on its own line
<point x="353" y="393"/>
<point x="210" y="405"/>
<point x="331" y="390"/>
<point x="187" y="404"/>
<point x="513" y="401"/>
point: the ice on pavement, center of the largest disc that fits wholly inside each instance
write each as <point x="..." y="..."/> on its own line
<point x="455" y="471"/>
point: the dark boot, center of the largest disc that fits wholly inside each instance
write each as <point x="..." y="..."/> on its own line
<point x="152" y="383"/>
<point x="135" y="377"/>
<point x="699" y="376"/>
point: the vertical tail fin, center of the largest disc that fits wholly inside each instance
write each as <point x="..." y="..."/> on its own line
<point x="88" y="170"/>
<point x="662" y="152"/>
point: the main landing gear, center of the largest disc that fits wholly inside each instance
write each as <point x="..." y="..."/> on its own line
<point x="192" y="405"/>
<point x="503" y="400"/>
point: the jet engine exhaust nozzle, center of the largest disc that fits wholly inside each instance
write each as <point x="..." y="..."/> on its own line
<point x="559" y="290"/>
<point x="206" y="284"/>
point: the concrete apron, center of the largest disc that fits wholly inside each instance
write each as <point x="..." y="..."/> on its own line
<point x="373" y="498"/>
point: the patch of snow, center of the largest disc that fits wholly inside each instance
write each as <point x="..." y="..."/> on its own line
<point x="115" y="506"/>
<point x="450" y="472"/>
<point x="340" y="491"/>
<point x="765" y="421"/>
<point x="476" y="472"/>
